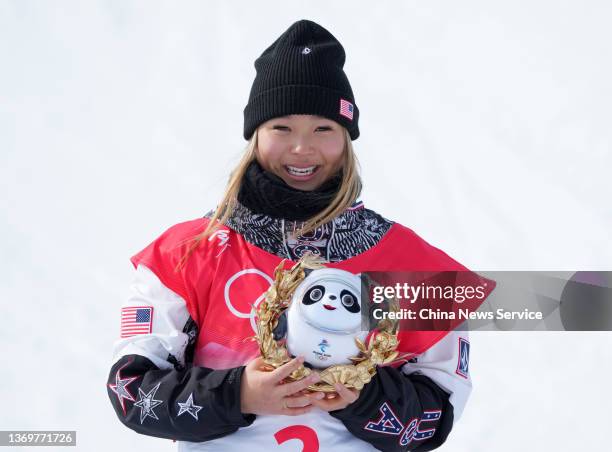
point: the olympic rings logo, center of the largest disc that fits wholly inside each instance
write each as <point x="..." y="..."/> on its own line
<point x="228" y="301"/>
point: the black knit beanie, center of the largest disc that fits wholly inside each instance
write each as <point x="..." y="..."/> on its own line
<point x="301" y="73"/>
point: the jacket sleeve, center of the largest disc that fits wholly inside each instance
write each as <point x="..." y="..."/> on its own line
<point x="414" y="407"/>
<point x="153" y="385"/>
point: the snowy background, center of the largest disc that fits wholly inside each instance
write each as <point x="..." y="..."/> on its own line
<point x="485" y="127"/>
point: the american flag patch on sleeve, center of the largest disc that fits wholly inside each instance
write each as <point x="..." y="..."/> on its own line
<point x="136" y="320"/>
<point x="346" y="109"/>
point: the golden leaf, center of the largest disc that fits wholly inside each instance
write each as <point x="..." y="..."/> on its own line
<point x="380" y="349"/>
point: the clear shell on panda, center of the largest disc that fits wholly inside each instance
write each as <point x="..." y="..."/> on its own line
<point x="325" y="318"/>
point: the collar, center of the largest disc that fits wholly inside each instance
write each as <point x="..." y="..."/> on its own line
<point x="351" y="233"/>
<point x="265" y="193"/>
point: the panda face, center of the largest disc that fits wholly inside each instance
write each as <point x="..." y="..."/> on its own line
<point x="332" y="304"/>
<point x="348" y="300"/>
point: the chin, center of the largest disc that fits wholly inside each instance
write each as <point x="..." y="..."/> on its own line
<point x="307" y="186"/>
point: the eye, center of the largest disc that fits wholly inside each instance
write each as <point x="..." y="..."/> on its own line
<point x="349" y="301"/>
<point x="324" y="128"/>
<point x="280" y="128"/>
<point x="313" y="295"/>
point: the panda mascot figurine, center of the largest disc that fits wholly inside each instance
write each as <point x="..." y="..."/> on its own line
<point x="325" y="317"/>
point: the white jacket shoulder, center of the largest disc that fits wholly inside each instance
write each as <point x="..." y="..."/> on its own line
<point x="168" y="316"/>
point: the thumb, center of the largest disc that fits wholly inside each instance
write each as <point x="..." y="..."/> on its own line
<point x="255" y="364"/>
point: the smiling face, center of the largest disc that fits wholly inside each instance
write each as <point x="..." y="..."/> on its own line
<point x="316" y="294"/>
<point x="303" y="150"/>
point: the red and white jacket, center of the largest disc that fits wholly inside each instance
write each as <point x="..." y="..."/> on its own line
<point x="187" y="334"/>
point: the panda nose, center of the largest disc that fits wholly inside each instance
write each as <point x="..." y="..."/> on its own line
<point x="332" y="297"/>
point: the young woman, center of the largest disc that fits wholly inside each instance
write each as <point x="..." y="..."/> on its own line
<point x="184" y="367"/>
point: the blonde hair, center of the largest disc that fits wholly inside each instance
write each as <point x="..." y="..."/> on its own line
<point x="350" y="187"/>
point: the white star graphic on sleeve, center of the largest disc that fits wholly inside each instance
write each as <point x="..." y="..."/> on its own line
<point x="189" y="407"/>
<point x="146" y="402"/>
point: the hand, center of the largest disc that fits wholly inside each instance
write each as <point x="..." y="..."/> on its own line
<point x="265" y="393"/>
<point x="342" y="398"/>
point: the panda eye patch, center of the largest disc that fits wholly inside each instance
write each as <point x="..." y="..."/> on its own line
<point x="316" y="294"/>
<point x="349" y="301"/>
<point x="313" y="295"/>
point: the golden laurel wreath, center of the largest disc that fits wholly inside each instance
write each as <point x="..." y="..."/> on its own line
<point x="381" y="348"/>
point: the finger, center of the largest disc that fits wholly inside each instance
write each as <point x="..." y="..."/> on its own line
<point x="297" y="411"/>
<point x="315" y="395"/>
<point x="300" y="401"/>
<point x="346" y="393"/>
<point x="296" y="402"/>
<point x="286" y="369"/>
<point x="296" y="386"/>
<point x="330" y="405"/>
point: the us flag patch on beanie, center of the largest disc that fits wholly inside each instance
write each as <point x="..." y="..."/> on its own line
<point x="346" y="109"/>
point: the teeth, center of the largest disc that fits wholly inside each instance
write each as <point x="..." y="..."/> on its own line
<point x="301" y="171"/>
